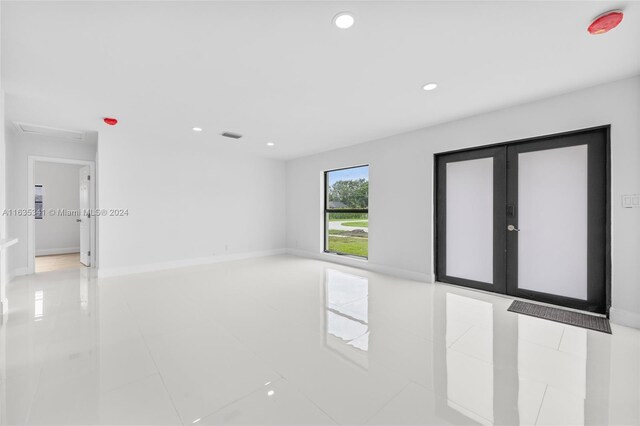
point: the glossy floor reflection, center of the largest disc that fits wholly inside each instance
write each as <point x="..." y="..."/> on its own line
<point x="285" y="340"/>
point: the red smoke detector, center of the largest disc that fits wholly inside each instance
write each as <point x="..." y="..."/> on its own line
<point x="606" y="22"/>
<point x="110" y="121"/>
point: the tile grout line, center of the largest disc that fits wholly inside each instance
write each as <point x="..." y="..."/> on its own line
<point x="459" y="337"/>
<point x="305" y="396"/>
<point x="390" y="401"/>
<point x="541" y="402"/>
<point x="240" y="398"/>
<point x="246" y="346"/>
<point x="267" y="364"/>
<point x="155" y="364"/>
<point x="561" y="337"/>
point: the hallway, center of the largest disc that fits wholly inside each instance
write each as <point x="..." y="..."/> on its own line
<point x="58" y="262"/>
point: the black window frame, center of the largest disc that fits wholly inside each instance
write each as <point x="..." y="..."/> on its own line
<point x="327" y="211"/>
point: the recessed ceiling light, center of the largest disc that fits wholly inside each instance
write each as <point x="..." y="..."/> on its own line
<point x="270" y="144"/>
<point x="344" y="20"/>
<point x="430" y="86"/>
<point x="197" y="129"/>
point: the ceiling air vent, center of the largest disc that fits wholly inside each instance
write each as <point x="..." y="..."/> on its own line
<point x="34" y="129"/>
<point x="231" y="135"/>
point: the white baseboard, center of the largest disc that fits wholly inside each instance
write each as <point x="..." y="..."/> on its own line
<point x="18" y="272"/>
<point x="626" y="318"/>
<point x="363" y="264"/>
<point x="127" y="270"/>
<point x="49" y="252"/>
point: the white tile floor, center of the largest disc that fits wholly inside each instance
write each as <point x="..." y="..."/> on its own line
<point x="284" y="340"/>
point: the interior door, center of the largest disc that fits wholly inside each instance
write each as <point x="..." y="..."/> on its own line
<point x="85" y="217"/>
<point x="528" y="219"/>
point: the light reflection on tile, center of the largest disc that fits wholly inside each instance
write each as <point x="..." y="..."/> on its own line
<point x="285" y="340"/>
<point x="38" y="309"/>
<point x="470" y="368"/>
<point x="347" y="313"/>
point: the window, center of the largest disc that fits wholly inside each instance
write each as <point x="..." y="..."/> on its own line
<point x="346" y="211"/>
<point x="39" y="213"/>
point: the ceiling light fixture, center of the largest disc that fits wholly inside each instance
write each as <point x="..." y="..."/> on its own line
<point x="197" y="129"/>
<point x="344" y="20"/>
<point x="270" y="144"/>
<point x="430" y="86"/>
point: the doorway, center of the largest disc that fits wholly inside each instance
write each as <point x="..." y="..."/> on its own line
<point x="62" y="229"/>
<point x="528" y="218"/>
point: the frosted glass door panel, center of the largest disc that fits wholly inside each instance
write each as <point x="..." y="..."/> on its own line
<point x="552" y="218"/>
<point x="469" y="221"/>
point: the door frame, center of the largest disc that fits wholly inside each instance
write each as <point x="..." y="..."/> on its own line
<point x="31" y="235"/>
<point x="440" y="230"/>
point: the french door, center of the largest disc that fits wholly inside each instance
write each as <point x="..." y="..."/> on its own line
<point x="528" y="219"/>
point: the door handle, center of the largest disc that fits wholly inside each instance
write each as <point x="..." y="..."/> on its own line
<point x="78" y="220"/>
<point x="512" y="228"/>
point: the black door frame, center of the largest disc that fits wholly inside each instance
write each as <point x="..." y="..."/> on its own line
<point x="599" y="216"/>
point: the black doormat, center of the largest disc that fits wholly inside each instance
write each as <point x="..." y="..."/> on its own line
<point x="577" y="319"/>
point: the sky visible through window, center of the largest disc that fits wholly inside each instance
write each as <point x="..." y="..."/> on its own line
<point x="349" y="174"/>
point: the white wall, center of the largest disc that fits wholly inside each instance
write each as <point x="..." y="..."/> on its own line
<point x="3" y="190"/>
<point x="19" y="148"/>
<point x="401" y="183"/>
<point x="57" y="234"/>
<point x="189" y="202"/>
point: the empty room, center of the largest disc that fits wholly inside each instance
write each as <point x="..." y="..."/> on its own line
<point x="319" y="212"/>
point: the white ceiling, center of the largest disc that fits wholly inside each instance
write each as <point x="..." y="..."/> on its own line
<point x="281" y="72"/>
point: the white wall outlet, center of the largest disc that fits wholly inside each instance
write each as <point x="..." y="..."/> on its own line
<point x="630" y="201"/>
